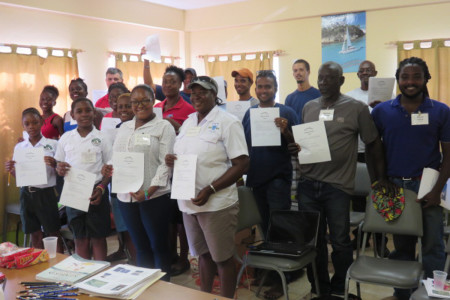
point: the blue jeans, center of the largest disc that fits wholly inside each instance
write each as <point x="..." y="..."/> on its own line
<point x="274" y="195"/>
<point x="433" y="250"/>
<point x="148" y="223"/>
<point x="334" y="207"/>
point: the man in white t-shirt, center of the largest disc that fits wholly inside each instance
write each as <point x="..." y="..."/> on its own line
<point x="366" y="70"/>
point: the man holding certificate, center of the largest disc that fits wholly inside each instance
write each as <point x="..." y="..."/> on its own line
<point x="327" y="186"/>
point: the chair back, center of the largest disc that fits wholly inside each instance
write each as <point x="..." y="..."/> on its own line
<point x="362" y="180"/>
<point x="409" y="222"/>
<point x="248" y="209"/>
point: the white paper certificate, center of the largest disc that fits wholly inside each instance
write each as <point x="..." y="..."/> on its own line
<point x="238" y="108"/>
<point x="429" y="178"/>
<point x="312" y="138"/>
<point x="380" y="88"/>
<point x="153" y="48"/>
<point x="128" y="175"/>
<point x="30" y="167"/>
<point x="183" y="182"/>
<point x="109" y="123"/>
<point x="78" y="186"/>
<point x="264" y="130"/>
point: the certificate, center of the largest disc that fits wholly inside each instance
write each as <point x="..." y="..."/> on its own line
<point x="238" y="108"/>
<point x="313" y="140"/>
<point x="109" y="123"/>
<point x="158" y="112"/>
<point x="78" y="186"/>
<point x="128" y="175"/>
<point x="183" y="182"/>
<point x="30" y="167"/>
<point x="153" y="48"/>
<point x="429" y="178"/>
<point x="264" y="130"/>
<point x="380" y="88"/>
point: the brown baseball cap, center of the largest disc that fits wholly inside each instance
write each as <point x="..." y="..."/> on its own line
<point x="244" y="72"/>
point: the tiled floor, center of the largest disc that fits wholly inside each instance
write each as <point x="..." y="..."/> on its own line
<point x="298" y="289"/>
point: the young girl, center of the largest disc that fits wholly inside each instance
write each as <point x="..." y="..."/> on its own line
<point x="146" y="211"/>
<point x="79" y="89"/>
<point x="125" y="113"/>
<point x="39" y="205"/>
<point x="88" y="149"/>
<point x="53" y="126"/>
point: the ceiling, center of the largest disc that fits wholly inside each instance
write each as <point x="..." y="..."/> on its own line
<point x="192" y="4"/>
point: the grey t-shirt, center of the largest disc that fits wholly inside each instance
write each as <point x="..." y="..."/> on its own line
<point x="351" y="117"/>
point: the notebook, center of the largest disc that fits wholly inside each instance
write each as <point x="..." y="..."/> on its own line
<point x="290" y="234"/>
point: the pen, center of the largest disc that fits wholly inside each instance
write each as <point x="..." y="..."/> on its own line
<point x="9" y="178"/>
<point x="38" y="282"/>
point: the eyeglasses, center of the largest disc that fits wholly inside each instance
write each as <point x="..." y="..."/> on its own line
<point x="200" y="93"/>
<point x="144" y="102"/>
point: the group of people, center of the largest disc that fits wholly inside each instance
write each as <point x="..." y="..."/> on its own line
<point x="398" y="138"/>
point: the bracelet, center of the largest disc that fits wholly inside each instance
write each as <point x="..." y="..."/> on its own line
<point x="146" y="195"/>
<point x="100" y="186"/>
<point x="240" y="179"/>
<point x="212" y="188"/>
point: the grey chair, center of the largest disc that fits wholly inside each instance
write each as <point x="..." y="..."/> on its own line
<point x="248" y="217"/>
<point x="381" y="271"/>
<point x="421" y="292"/>
<point x="362" y="187"/>
<point x="14" y="209"/>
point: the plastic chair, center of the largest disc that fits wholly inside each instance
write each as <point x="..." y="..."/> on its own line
<point x="362" y="187"/>
<point x="14" y="208"/>
<point x="381" y="271"/>
<point x="248" y="215"/>
<point x="421" y="292"/>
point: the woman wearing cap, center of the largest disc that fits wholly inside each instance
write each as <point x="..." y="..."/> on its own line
<point x="222" y="157"/>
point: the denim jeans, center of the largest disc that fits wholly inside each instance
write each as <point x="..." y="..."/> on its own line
<point x="274" y="195"/>
<point x="433" y="250"/>
<point x="334" y="207"/>
<point x="148" y="224"/>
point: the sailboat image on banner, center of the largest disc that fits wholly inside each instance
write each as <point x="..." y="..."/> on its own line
<point x="347" y="46"/>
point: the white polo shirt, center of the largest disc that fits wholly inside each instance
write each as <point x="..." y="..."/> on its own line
<point x="88" y="153"/>
<point x="220" y="138"/>
<point x="157" y="141"/>
<point x="50" y="147"/>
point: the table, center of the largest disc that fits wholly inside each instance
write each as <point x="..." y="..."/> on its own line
<point x="160" y="290"/>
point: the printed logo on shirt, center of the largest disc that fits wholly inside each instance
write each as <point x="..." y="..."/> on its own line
<point x="340" y="119"/>
<point x="48" y="147"/>
<point x="214" y="127"/>
<point x="96" y="141"/>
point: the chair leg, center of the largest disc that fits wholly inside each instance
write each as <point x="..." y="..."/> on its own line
<point x="358" y="289"/>
<point x="316" y="278"/>
<point x="261" y="282"/>
<point x="5" y="225"/>
<point x="347" y="279"/>
<point x="241" y="271"/>
<point x="283" y="282"/>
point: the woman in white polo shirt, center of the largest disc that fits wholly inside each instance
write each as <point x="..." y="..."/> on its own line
<point x="217" y="138"/>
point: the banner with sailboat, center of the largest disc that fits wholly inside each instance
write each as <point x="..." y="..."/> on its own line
<point x="344" y="40"/>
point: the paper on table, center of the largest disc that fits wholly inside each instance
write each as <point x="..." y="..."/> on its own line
<point x="264" y="130"/>
<point x="30" y="167"/>
<point x="313" y="140"/>
<point x="109" y="123"/>
<point x="238" y="108"/>
<point x="429" y="178"/>
<point x="153" y="48"/>
<point x="78" y="186"/>
<point x="183" y="182"/>
<point x="221" y="85"/>
<point x="158" y="112"/>
<point x="128" y="173"/>
<point x="380" y="88"/>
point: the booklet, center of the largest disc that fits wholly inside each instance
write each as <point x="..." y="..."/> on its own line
<point x="432" y="292"/>
<point x="120" y="282"/>
<point x="72" y="269"/>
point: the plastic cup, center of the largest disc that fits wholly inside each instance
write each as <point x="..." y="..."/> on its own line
<point x="440" y="278"/>
<point x="50" y="245"/>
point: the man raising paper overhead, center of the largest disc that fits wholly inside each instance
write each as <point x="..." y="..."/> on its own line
<point x="327" y="186"/>
<point x="413" y="128"/>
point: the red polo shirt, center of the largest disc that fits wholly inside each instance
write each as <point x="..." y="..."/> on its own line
<point x="103" y="102"/>
<point x="179" y="112"/>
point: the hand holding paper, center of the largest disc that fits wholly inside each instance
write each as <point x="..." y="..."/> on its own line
<point x="313" y="140"/>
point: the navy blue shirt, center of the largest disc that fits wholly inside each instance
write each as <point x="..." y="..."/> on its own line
<point x="267" y="163"/>
<point x="159" y="95"/>
<point x="186" y="97"/>
<point x="410" y="148"/>
<point x="297" y="100"/>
